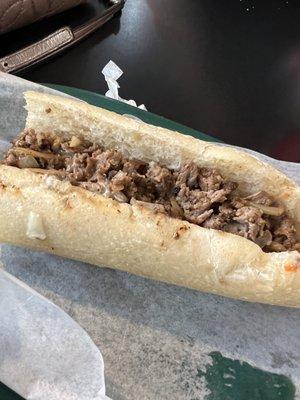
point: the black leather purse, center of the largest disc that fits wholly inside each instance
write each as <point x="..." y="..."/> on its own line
<point x="17" y="13"/>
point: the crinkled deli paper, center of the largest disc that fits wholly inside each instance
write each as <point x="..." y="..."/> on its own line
<point x="154" y="337"/>
<point x="111" y="74"/>
<point x="44" y="353"/>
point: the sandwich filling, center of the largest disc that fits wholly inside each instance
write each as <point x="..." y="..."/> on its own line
<point x="195" y="194"/>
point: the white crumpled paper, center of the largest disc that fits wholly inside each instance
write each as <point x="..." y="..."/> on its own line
<point x="111" y="74"/>
<point x="44" y="353"/>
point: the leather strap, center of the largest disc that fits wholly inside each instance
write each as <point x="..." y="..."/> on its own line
<point x="57" y="42"/>
<point x="17" y="13"/>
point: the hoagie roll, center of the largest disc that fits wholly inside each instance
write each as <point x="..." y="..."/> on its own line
<point x="85" y="183"/>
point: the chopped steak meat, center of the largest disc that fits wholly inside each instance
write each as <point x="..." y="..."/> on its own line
<point x="252" y="218"/>
<point x="260" y="198"/>
<point x="161" y="179"/>
<point x="79" y="167"/>
<point x="209" y="179"/>
<point x="199" y="195"/>
<point x="285" y="233"/>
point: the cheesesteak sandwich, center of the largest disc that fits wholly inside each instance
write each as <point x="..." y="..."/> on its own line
<point x="88" y="184"/>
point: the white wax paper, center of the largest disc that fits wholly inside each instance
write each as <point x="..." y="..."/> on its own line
<point x="44" y="354"/>
<point x="111" y="74"/>
<point x="154" y="337"/>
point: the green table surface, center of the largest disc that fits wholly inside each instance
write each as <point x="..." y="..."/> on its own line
<point x="249" y="383"/>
